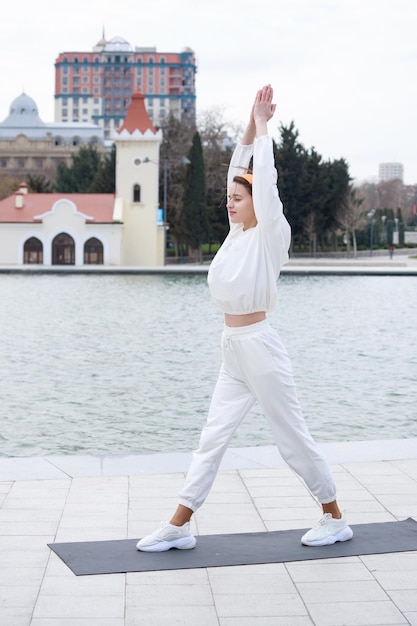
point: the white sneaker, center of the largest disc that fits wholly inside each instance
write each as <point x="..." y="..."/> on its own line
<point x="166" y="537"/>
<point x="326" y="531"/>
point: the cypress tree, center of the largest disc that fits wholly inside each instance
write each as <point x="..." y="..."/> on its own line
<point x="194" y="216"/>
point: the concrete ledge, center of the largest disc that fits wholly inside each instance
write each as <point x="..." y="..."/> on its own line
<point x="267" y="457"/>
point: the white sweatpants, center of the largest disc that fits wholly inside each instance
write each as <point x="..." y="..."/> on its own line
<point x="256" y="367"/>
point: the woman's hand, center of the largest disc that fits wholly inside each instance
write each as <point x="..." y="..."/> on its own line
<point x="263" y="108"/>
<point x="261" y="112"/>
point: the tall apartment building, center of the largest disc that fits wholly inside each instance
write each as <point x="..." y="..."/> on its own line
<point x="391" y="171"/>
<point x="97" y="86"/>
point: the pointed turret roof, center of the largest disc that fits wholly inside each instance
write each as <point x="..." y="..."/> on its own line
<point x="137" y="117"/>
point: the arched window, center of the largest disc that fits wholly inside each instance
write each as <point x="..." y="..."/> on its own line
<point x="63" y="250"/>
<point x="93" y="252"/>
<point x="136" y="193"/>
<point x="33" y="251"/>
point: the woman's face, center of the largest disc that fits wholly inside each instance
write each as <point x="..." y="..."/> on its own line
<point x="240" y="206"/>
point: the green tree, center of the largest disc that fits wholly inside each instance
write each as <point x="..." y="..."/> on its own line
<point x="105" y="178"/>
<point x="8" y="186"/>
<point x="351" y="218"/>
<point x="217" y="150"/>
<point x="39" y="184"/>
<point x="337" y="189"/>
<point x="80" y="175"/>
<point x="401" y="227"/>
<point x="195" y="221"/>
<point x="177" y="139"/>
<point x="290" y="159"/>
<point x="311" y="190"/>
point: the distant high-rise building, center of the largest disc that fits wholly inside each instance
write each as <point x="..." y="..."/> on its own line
<point x="97" y="86"/>
<point x="391" y="171"/>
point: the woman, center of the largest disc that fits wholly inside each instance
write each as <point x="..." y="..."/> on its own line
<point x="255" y="366"/>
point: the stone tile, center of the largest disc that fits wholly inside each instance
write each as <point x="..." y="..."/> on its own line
<point x="373" y="517"/>
<point x="394" y="561"/>
<point x="177" y="616"/>
<point x="143" y="596"/>
<point x="97" y="521"/>
<point x="29" y="516"/>
<point x="266" y="583"/>
<point x="259" y="605"/>
<point x="57" y="621"/>
<point x="323" y="571"/>
<point x="70" y="534"/>
<point x="152" y="508"/>
<point x="15" y="616"/>
<point x="54" y="503"/>
<point x="409" y="466"/>
<point x="209" y="522"/>
<point x="255" y="474"/>
<point x="307" y="514"/>
<point x="76" y="586"/>
<point x="287" y="620"/>
<point x="356" y="614"/>
<point x="169" y="577"/>
<point x="77" y="465"/>
<point x="20" y="576"/>
<point x="28" y="527"/>
<point x="404" y="599"/>
<point x="28" y="469"/>
<point x="275" y="502"/>
<point x="269" y="481"/>
<point x="97" y="509"/>
<point x="395" y="485"/>
<point x="350" y="498"/>
<point x="373" y="468"/>
<point x="24" y="559"/>
<point x="388" y="579"/>
<point x="24" y="543"/>
<point x="228" y="481"/>
<point x="19" y="596"/>
<point x="301" y="524"/>
<point x="278" y="491"/>
<point x="221" y="498"/>
<point x="368" y="505"/>
<point x="39" y="488"/>
<point x="79" y="607"/>
<point x="411" y="617"/>
<point x="341" y="591"/>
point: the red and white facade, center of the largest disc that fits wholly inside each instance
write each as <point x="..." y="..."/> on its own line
<point x="100" y="229"/>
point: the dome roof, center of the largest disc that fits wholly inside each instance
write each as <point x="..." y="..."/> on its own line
<point x="23" y="112"/>
<point x="118" y="44"/>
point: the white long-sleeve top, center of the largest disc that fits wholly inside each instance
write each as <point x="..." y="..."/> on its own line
<point x="243" y="275"/>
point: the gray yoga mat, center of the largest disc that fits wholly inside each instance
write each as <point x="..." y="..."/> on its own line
<point x="121" y="556"/>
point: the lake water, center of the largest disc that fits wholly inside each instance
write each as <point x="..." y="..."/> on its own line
<point x="127" y="364"/>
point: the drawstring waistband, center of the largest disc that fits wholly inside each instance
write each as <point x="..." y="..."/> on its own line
<point x="234" y="332"/>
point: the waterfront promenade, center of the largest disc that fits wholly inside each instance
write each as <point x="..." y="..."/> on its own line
<point x="82" y="498"/>
<point x="377" y="264"/>
<point x="66" y="499"/>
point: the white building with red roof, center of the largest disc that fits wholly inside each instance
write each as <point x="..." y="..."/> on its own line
<point x="121" y="229"/>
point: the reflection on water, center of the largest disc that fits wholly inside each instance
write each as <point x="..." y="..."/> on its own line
<point x="125" y="364"/>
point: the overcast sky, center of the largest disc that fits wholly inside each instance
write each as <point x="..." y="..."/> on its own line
<point x="344" y="70"/>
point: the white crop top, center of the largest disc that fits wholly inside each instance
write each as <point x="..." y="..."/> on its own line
<point x="243" y="275"/>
